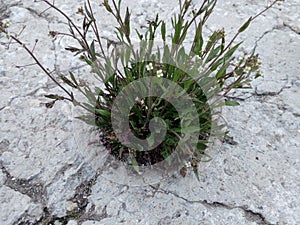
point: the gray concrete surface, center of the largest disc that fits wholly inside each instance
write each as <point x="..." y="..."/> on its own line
<point x="48" y="158"/>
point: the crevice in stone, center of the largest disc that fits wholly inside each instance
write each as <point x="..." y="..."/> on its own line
<point x="233" y="98"/>
<point x="80" y="198"/>
<point x="5" y="9"/>
<point x="35" y="191"/>
<point x="296" y="115"/>
<point x="26" y="219"/>
<point x="42" y="15"/>
<point x="291" y="28"/>
<point x="281" y="27"/>
<point x="270" y="93"/>
<point x="264" y="34"/>
<point x="249" y="214"/>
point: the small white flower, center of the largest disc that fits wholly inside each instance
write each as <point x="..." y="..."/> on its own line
<point x="259" y="62"/>
<point x="7" y="22"/>
<point x="142" y="102"/>
<point x="247" y="69"/>
<point x="149" y="67"/>
<point x="137" y="99"/>
<point x="159" y="73"/>
<point x="240" y="58"/>
<point x="188" y="164"/>
<point x="259" y="73"/>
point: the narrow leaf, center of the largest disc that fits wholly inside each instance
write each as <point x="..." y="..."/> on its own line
<point x="68" y="82"/>
<point x="245" y="26"/>
<point x="163" y="31"/>
<point x="135" y="164"/>
<point x="73" y="78"/>
<point x="92" y="49"/>
<point x="231" y="103"/>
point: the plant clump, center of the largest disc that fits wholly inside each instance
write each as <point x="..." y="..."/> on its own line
<point x="161" y="76"/>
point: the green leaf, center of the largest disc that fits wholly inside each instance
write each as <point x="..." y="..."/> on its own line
<point x="103" y="113"/>
<point x="73" y="78"/>
<point x="217" y="64"/>
<point x="139" y="34"/>
<point x="245" y="26"/>
<point x="196" y="172"/>
<point x="92" y="49"/>
<point x="135" y="164"/>
<point x="231" y="103"/>
<point x="107" y="6"/>
<point x="91" y="96"/>
<point x="230" y="52"/>
<point x="88" y="12"/>
<point x="198" y="40"/>
<point x="213" y="53"/>
<point x="222" y="71"/>
<point x="89" y="62"/>
<point x="178" y="29"/>
<point x="68" y="82"/>
<point x="127" y="22"/>
<point x="90" y="107"/>
<point x="88" y="119"/>
<point x="163" y="31"/>
<point x="127" y="55"/>
<point x="210" y="42"/>
<point x="207" y="6"/>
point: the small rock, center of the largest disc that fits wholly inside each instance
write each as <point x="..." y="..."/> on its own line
<point x="70" y="206"/>
<point x="72" y="222"/>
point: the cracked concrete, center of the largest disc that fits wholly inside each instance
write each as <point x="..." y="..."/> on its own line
<point x="48" y="158"/>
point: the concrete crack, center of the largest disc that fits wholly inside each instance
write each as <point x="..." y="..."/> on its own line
<point x="5" y="9"/>
<point x="291" y="28"/>
<point x="272" y="94"/>
<point x="249" y="214"/>
<point x="277" y="27"/>
<point x="80" y="198"/>
<point x="35" y="191"/>
<point x="263" y="35"/>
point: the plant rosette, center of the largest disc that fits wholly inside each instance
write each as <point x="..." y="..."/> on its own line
<point x="160" y="98"/>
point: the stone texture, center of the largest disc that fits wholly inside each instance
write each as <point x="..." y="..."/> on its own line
<point x="49" y="160"/>
<point x="14" y="205"/>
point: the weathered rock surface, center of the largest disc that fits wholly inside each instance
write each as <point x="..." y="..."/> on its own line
<point x="49" y="160"/>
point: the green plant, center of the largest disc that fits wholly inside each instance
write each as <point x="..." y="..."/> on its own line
<point x="199" y="74"/>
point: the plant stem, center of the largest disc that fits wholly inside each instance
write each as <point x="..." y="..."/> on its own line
<point x="38" y="62"/>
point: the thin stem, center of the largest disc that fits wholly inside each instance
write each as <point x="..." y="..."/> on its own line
<point x="192" y="21"/>
<point x="95" y="28"/>
<point x="238" y="33"/>
<point x="72" y="23"/>
<point x="39" y="63"/>
<point x="118" y="17"/>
